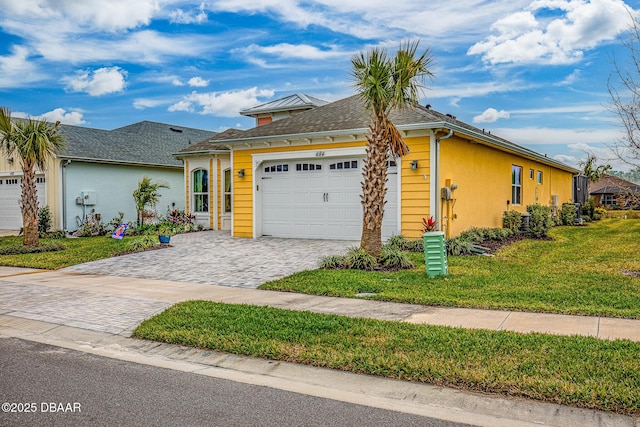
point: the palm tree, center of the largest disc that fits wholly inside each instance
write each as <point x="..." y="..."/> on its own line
<point x="592" y="171"/>
<point x="35" y="142"/>
<point x="147" y="194"/>
<point x="385" y="84"/>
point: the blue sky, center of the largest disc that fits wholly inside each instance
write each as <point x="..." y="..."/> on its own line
<point x="532" y="71"/>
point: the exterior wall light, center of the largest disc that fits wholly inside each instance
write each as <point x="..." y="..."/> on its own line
<point x="241" y="173"/>
<point x="414" y="165"/>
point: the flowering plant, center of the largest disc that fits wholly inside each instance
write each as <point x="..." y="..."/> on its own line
<point x="429" y="225"/>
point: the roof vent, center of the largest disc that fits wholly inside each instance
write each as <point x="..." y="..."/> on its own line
<point x="176" y="130"/>
<point x="428" y="106"/>
<point x="451" y="116"/>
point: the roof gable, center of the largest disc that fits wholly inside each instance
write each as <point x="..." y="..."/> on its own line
<point x="610" y="184"/>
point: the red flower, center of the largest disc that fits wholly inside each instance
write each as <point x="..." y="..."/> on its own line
<point x="429" y="225"/>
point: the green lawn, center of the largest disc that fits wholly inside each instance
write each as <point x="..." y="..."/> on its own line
<point x="77" y="251"/>
<point x="581" y="271"/>
<point x="579" y="371"/>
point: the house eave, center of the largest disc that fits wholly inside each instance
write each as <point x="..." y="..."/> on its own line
<point x="180" y="155"/>
<point x="406" y="128"/>
<point x="118" y="162"/>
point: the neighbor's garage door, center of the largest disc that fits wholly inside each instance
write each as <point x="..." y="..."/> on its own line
<point x="319" y="199"/>
<point x="10" y="193"/>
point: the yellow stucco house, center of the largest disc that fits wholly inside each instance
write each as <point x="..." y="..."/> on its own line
<point x="299" y="175"/>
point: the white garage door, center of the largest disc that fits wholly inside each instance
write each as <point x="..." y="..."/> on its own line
<point x="10" y="193"/>
<point x="319" y="199"/>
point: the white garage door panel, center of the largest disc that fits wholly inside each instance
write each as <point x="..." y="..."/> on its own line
<point x="10" y="194"/>
<point x="318" y="199"/>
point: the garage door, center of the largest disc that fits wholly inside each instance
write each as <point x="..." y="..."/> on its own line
<point x="10" y="194"/>
<point x="319" y="199"/>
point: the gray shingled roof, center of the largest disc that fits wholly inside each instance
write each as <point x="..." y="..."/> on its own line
<point x="297" y="101"/>
<point x="148" y="143"/>
<point x="349" y="114"/>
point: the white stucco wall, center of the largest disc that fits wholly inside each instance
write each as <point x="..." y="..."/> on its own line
<point x="113" y="186"/>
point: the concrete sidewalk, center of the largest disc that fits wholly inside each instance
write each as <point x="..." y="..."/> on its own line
<point x="96" y="314"/>
<point x="117" y="304"/>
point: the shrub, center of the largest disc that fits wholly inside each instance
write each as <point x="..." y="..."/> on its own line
<point x="332" y="262"/>
<point x="588" y="207"/>
<point x="398" y="241"/>
<point x="414" y="245"/>
<point x="44" y="219"/>
<point x="141" y="243"/>
<point x="512" y="220"/>
<point x="401" y="243"/>
<point x="393" y="258"/>
<point x="540" y="221"/>
<point x="599" y="213"/>
<point x="567" y="214"/>
<point x="358" y="259"/>
<point x="458" y="246"/>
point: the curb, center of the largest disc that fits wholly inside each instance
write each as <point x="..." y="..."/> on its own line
<point x="418" y="399"/>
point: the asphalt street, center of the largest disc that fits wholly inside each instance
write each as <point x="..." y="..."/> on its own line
<point x="45" y="385"/>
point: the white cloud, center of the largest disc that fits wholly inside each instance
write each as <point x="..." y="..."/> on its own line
<point x="222" y="104"/>
<point x="74" y="117"/>
<point x="198" y="82"/>
<point x="523" y="37"/>
<point x="145" y="46"/>
<point x="179" y="16"/>
<point x="110" y="15"/>
<point x="476" y="89"/>
<point x="64" y="116"/>
<point x="291" y="51"/>
<point x="491" y="115"/>
<point x="142" y="103"/>
<point x="558" y="136"/>
<point x="98" y="82"/>
<point x="17" y="70"/>
<point x="177" y="82"/>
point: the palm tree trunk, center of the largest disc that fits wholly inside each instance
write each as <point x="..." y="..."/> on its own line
<point x="374" y="189"/>
<point x="29" y="205"/>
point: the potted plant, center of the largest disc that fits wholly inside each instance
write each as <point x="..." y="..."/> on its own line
<point x="165" y="231"/>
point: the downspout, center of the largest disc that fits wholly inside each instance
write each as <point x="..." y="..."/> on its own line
<point x="64" y="164"/>
<point x="437" y="178"/>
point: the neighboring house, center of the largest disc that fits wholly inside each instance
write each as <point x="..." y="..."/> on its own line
<point x="615" y="193"/>
<point x="300" y="176"/>
<point x="98" y="171"/>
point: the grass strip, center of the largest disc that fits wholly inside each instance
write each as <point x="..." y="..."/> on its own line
<point x="578" y="371"/>
<point x="76" y="251"/>
<point x="583" y="271"/>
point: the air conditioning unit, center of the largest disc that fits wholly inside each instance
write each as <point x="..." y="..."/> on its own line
<point x="554" y="200"/>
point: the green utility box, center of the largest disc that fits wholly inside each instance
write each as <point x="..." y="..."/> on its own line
<point x="435" y="254"/>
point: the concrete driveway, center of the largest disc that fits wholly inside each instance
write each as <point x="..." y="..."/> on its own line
<point x="216" y="258"/>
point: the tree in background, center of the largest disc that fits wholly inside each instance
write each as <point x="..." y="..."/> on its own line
<point x="147" y="194"/>
<point x="384" y="84"/>
<point x="624" y="89"/>
<point x="592" y="171"/>
<point x="35" y="142"/>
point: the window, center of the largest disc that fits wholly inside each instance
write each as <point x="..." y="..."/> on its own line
<point x="516" y="185"/>
<point x="608" y="200"/>
<point x="308" y="167"/>
<point x="539" y="177"/>
<point x="530" y="173"/>
<point x="277" y="168"/>
<point x="227" y="191"/>
<point x="40" y="180"/>
<point x="349" y="164"/>
<point x="200" y="190"/>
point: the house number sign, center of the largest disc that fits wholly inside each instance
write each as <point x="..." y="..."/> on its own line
<point x="319" y="153"/>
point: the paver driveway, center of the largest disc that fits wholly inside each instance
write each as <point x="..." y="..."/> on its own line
<point x="216" y="258"/>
